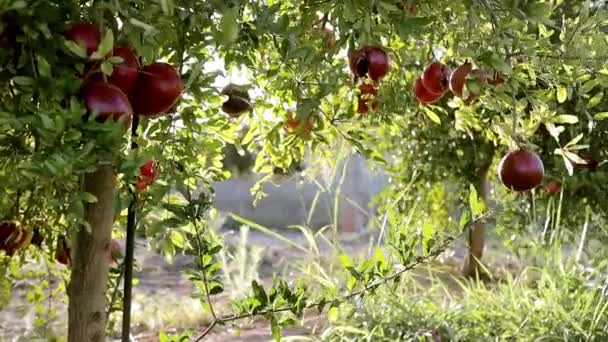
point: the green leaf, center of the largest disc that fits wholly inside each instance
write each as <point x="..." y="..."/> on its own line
<point x="575" y="140"/>
<point x="388" y="7"/>
<point x="23" y="80"/>
<point x="76" y="48"/>
<point x="177" y="239"/>
<point x="44" y="68"/>
<point x="107" y="68"/>
<point x="601" y="116"/>
<point x="345" y="260"/>
<point x="333" y="314"/>
<point x="431" y="115"/>
<point x="476" y="205"/>
<point x="562" y="94"/>
<point x="464" y="220"/>
<point x="259" y="293"/>
<point x="115" y="60"/>
<point x="595" y="100"/>
<point x="565" y="119"/>
<point x="275" y="328"/>
<point x="229" y="25"/>
<point x="106" y="45"/>
<point x="146" y="27"/>
<point x="47" y="122"/>
<point x="88" y="197"/>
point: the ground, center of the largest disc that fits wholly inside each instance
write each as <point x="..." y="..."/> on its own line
<point x="163" y="299"/>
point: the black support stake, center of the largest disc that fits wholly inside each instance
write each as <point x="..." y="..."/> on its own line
<point x="130" y="253"/>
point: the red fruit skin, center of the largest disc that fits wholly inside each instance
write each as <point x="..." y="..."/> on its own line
<point x="435" y="78"/>
<point x="157" y="89"/>
<point x="521" y="170"/>
<point x="379" y="63"/>
<point x="142" y="184"/>
<point x="423" y="95"/>
<point x="108" y="101"/>
<point x="459" y="77"/>
<point x="148" y="173"/>
<point x="553" y="187"/>
<point x="125" y="74"/>
<point x="373" y="61"/>
<point x="367" y="96"/>
<point x="84" y="34"/>
<point x="148" y="169"/>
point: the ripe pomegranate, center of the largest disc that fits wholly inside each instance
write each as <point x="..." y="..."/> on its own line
<point x="521" y="170"/>
<point x="292" y="126"/>
<point x="435" y="78"/>
<point x="459" y="78"/>
<point x="157" y="89"/>
<point x="238" y="101"/>
<point x="107" y="101"/>
<point x="422" y="94"/>
<point x="85" y="34"/>
<point x="13" y="237"/>
<point x="553" y="187"/>
<point x="367" y="97"/>
<point x="372" y="61"/>
<point x="147" y="174"/>
<point x="125" y="74"/>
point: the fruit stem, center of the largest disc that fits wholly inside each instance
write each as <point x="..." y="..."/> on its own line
<point x="130" y="249"/>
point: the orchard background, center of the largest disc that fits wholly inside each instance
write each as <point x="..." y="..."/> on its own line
<point x="488" y="118"/>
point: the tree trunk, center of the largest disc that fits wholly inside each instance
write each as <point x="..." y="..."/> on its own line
<point x="477" y="233"/>
<point x="90" y="267"/>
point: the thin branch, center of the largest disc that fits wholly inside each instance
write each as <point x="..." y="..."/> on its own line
<point x="204" y="274"/>
<point x="370" y="287"/>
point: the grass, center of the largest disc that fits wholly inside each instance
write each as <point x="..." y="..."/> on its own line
<point x="557" y="301"/>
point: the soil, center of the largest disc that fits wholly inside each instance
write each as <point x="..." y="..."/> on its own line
<point x="163" y="297"/>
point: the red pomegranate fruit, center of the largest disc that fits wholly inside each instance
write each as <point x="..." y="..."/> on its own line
<point x="147" y="174"/>
<point x="367" y="98"/>
<point x="423" y="95"/>
<point x="107" y="101"/>
<point x="521" y="170"/>
<point x="84" y="34"/>
<point x="459" y="78"/>
<point x="435" y="78"/>
<point x="157" y="89"/>
<point x="125" y="74"/>
<point x="372" y="61"/>
<point x="553" y="187"/>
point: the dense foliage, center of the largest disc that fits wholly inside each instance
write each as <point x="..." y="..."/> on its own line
<point x="548" y="55"/>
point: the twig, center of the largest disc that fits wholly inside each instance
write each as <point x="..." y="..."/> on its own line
<point x="204" y="274"/>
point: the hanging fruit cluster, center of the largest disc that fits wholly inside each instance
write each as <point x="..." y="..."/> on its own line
<point x="369" y="65"/>
<point x="464" y="82"/>
<point x="129" y="89"/>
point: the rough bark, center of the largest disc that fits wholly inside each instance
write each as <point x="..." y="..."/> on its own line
<point x="477" y="233"/>
<point x="90" y="267"/>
